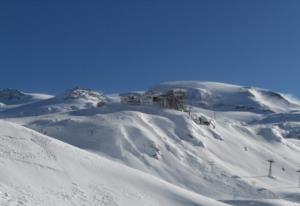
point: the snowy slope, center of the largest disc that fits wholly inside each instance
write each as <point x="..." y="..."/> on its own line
<point x="226" y="161"/>
<point x="73" y="99"/>
<point x="10" y="98"/>
<point x="227" y="97"/>
<point x="171" y="146"/>
<point x="37" y="170"/>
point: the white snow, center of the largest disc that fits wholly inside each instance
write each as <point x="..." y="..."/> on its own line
<point x="227" y="97"/>
<point x="223" y="162"/>
<point x="38" y="170"/>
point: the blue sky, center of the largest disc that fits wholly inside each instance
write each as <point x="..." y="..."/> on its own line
<point x="117" y="45"/>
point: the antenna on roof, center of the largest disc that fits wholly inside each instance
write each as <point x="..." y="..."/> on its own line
<point x="270" y="167"/>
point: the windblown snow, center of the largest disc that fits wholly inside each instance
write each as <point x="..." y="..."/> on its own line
<point x="83" y="147"/>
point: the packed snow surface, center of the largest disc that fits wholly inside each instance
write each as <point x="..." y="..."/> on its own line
<point x="86" y="148"/>
<point x="38" y="170"/>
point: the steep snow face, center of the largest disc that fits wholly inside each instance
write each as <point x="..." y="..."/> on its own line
<point x="37" y="170"/>
<point x="227" y="97"/>
<point x="171" y="145"/>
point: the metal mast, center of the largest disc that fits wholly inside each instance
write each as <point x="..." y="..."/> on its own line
<point x="270" y="167"/>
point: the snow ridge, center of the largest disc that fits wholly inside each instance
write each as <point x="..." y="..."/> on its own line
<point x="214" y="152"/>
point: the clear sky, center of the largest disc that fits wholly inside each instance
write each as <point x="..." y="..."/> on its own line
<point x="120" y="45"/>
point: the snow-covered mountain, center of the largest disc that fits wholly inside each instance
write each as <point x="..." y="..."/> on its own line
<point x="226" y="97"/>
<point x="70" y="100"/>
<point x="10" y="96"/>
<point x="225" y="160"/>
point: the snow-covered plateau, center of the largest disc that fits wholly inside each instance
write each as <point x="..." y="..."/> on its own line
<point x="187" y="143"/>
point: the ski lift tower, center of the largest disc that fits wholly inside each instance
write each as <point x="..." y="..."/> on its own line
<point x="298" y="171"/>
<point x="211" y="163"/>
<point x="270" y="167"/>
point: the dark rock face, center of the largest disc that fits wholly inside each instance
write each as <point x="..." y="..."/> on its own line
<point x="9" y="96"/>
<point x="77" y="93"/>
